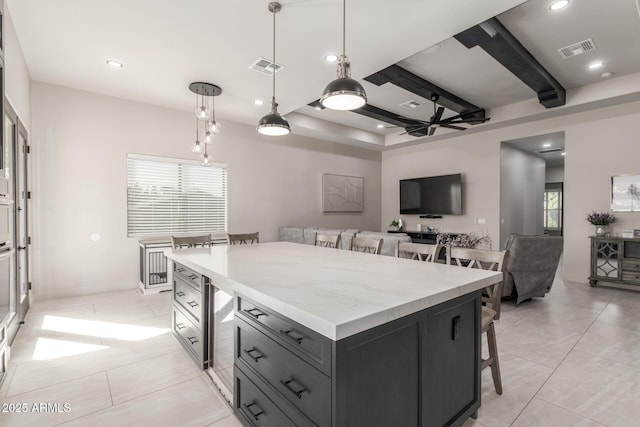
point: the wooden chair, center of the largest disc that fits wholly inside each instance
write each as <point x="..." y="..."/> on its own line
<point x="419" y="251"/>
<point x="243" y="239"/>
<point x="485" y="260"/>
<point x="328" y="241"/>
<point x="368" y="245"/>
<point x="190" y="242"/>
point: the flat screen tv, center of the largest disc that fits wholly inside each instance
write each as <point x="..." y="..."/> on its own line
<point x="434" y="195"/>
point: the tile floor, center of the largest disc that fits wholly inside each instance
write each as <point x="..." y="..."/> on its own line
<point x="572" y="358"/>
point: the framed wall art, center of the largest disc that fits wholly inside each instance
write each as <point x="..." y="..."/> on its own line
<point x="625" y="193"/>
<point x="341" y="193"/>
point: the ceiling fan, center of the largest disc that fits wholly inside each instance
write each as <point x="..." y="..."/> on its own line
<point x="429" y="127"/>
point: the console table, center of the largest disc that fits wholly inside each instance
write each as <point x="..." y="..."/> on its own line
<point x="615" y="260"/>
<point x="425" y="237"/>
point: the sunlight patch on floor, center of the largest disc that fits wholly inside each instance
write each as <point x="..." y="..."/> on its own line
<point x="95" y="328"/>
<point x="47" y="348"/>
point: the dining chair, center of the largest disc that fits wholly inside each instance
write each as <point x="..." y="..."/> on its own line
<point x="327" y="240"/>
<point x="485" y="260"/>
<point x="243" y="239"/>
<point x="368" y="245"/>
<point x="419" y="251"/>
<point x="190" y="241"/>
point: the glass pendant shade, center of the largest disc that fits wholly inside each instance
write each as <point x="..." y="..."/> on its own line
<point x="343" y="93"/>
<point x="208" y="137"/>
<point x="206" y="161"/>
<point x="203" y="113"/>
<point x="273" y="124"/>
<point x="214" y="126"/>
<point x="197" y="147"/>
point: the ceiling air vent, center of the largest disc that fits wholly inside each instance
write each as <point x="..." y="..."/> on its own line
<point x="549" y="151"/>
<point x="410" y="104"/>
<point x="265" y="66"/>
<point x="577" y="48"/>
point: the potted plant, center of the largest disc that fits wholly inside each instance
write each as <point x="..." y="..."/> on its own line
<point x="601" y="220"/>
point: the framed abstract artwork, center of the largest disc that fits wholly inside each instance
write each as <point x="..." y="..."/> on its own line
<point x="625" y="193"/>
<point x="342" y="193"/>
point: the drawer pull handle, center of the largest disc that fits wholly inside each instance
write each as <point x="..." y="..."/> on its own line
<point x="291" y="389"/>
<point x="179" y="270"/>
<point x="180" y="326"/>
<point x="255" y="315"/>
<point x="180" y="293"/>
<point x="192" y="340"/>
<point x="256" y="414"/>
<point x="192" y="304"/>
<point x="255" y="358"/>
<point x="289" y="334"/>
<point x="193" y="276"/>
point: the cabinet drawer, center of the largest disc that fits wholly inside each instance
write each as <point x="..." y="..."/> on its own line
<point x="189" y="298"/>
<point x="254" y="407"/>
<point x="631" y="276"/>
<point x="301" y="384"/>
<point x="188" y="334"/>
<point x="310" y="345"/>
<point x="187" y="275"/>
<point x="631" y="264"/>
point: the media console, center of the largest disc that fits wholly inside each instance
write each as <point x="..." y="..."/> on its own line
<point x="429" y="238"/>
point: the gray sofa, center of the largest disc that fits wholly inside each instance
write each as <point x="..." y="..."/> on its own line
<point x="531" y="266"/>
<point x="307" y="236"/>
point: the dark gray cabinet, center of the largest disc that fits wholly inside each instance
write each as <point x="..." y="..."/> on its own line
<point x="191" y="313"/>
<point x="615" y="260"/>
<point x="420" y="370"/>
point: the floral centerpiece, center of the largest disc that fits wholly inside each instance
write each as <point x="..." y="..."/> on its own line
<point x="465" y="240"/>
<point x="601" y="220"/>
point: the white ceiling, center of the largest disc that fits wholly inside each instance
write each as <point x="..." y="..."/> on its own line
<point x="166" y="44"/>
<point x="537" y="143"/>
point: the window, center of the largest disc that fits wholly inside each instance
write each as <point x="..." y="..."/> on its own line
<point x="553" y="207"/>
<point x="172" y="196"/>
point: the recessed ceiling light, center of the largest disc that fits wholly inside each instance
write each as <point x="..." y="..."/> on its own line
<point x="380" y="126"/>
<point x="606" y="74"/>
<point x="258" y="101"/>
<point x="560" y="4"/>
<point x="563" y="153"/>
<point x="114" y="63"/>
<point x="331" y="57"/>
<point x="596" y="65"/>
<point x="318" y="108"/>
<point x="546" y="144"/>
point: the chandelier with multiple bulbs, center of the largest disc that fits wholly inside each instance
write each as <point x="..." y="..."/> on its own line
<point x="205" y="114"/>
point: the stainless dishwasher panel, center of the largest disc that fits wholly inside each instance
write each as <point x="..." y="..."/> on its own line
<point x="221" y="340"/>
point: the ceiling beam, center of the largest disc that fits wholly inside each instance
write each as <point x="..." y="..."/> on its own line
<point x="497" y="41"/>
<point x="379" y="114"/>
<point x="415" y="84"/>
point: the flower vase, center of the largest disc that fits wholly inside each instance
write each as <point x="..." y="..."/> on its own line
<point x="602" y="230"/>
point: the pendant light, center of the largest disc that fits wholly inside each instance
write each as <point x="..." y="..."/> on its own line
<point x="205" y="93"/>
<point x="344" y="93"/>
<point x="273" y="124"/>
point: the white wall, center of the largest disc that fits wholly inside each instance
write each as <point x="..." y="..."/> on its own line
<point x="599" y="143"/>
<point x="478" y="159"/>
<point x="81" y="141"/>
<point x="554" y="174"/>
<point x="17" y="79"/>
<point x="521" y="193"/>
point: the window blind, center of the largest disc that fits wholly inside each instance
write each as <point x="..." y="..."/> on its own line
<point x="173" y="196"/>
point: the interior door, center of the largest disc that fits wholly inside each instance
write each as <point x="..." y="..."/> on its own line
<point x="22" y="223"/>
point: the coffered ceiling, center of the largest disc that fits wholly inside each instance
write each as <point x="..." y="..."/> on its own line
<point x="167" y="44"/>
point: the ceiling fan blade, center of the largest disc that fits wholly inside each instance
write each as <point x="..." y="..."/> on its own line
<point x="448" y="126"/>
<point x="438" y="115"/>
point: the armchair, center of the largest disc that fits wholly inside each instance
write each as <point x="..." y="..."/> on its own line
<point x="531" y="266"/>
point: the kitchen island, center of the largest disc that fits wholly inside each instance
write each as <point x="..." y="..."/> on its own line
<point x="336" y="338"/>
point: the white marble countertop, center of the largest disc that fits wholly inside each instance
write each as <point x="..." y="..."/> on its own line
<point x="335" y="292"/>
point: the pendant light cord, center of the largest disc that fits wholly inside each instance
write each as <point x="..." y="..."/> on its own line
<point x="273" y="98"/>
<point x="344" y="26"/>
